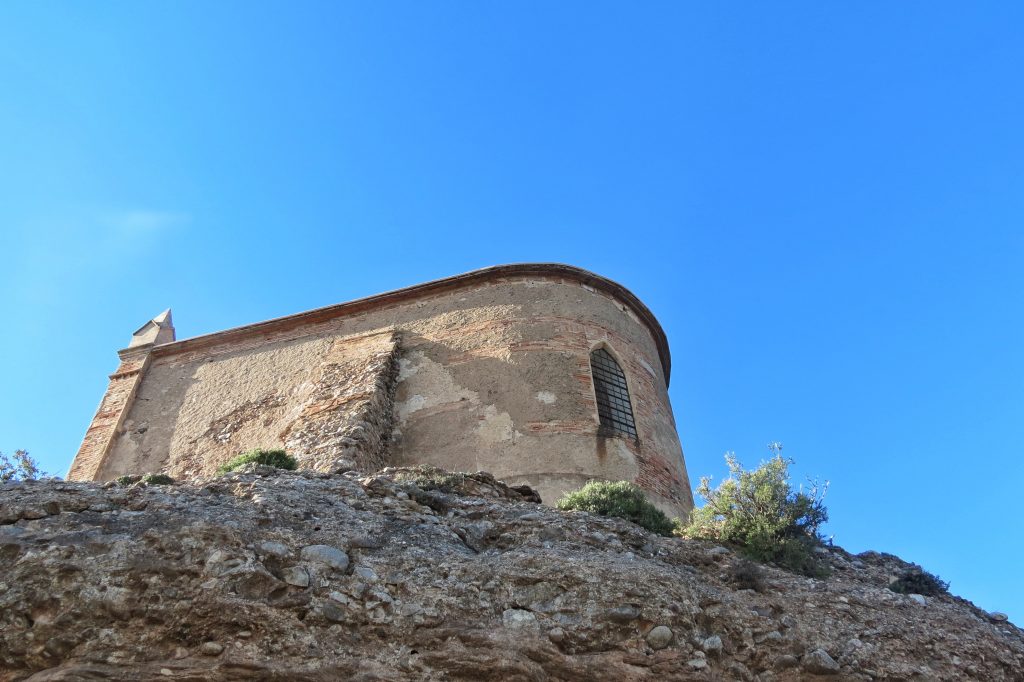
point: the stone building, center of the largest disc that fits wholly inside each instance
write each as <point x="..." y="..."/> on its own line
<point x="541" y="374"/>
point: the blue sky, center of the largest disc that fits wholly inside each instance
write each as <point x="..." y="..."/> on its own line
<point x="821" y="202"/>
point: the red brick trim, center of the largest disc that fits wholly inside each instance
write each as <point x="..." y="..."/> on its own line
<point x="124" y="383"/>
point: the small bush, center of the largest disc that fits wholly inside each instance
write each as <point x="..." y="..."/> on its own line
<point x="19" y="467"/>
<point x="623" y="500"/>
<point x="746" y="575"/>
<point x="127" y="480"/>
<point x="760" y="513"/>
<point x="157" y="479"/>
<point x="916" y="580"/>
<point x="429" y="477"/>
<point x="273" y="458"/>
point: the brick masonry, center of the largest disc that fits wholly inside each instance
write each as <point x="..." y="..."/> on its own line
<point x="105" y="424"/>
<point x="349" y="418"/>
<point x="485" y="371"/>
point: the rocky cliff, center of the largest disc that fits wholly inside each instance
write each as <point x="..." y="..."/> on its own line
<point x="407" y="575"/>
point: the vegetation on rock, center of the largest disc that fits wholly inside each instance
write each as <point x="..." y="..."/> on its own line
<point x="431" y="478"/>
<point x="746" y="575"/>
<point x="19" y="467"/>
<point x="148" y="479"/>
<point x="530" y="592"/>
<point x="620" y="499"/>
<point x="273" y="458"/>
<point x="916" y="580"/>
<point x="760" y="513"/>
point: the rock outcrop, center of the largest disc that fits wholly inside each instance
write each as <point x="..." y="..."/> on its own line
<point x="418" y="575"/>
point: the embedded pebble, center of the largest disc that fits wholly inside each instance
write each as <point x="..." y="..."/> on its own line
<point x="277" y="549"/>
<point x="659" y="637"/>
<point x="296" y="575"/>
<point x="518" y="619"/>
<point x="623" y="614"/>
<point x="325" y="554"/>
<point x="820" y="663"/>
<point x="211" y="648"/>
<point x="366" y="573"/>
<point x="712" y="644"/>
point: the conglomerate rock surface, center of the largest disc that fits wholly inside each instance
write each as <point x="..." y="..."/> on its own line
<point x="306" y="576"/>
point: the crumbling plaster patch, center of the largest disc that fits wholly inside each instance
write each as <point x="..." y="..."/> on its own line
<point x="434" y="385"/>
<point x="496" y="426"/>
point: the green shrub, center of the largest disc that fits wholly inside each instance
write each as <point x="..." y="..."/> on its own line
<point x="760" y="513"/>
<point x="272" y="458"/>
<point x="127" y="480"/>
<point x="746" y="575"/>
<point x="431" y="478"/>
<point x="19" y="467"/>
<point x="916" y="580"/>
<point x="157" y="479"/>
<point x="623" y="500"/>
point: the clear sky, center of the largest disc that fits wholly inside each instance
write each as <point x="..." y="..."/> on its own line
<point x="821" y="202"/>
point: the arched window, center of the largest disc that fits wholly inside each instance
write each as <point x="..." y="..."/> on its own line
<point x="613" y="406"/>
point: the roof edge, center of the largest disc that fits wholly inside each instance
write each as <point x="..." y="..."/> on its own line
<point x="436" y="286"/>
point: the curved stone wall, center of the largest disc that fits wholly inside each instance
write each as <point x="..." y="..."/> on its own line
<point x="485" y="371"/>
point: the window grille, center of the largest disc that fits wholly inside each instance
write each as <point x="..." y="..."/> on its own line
<point x="613" y="406"/>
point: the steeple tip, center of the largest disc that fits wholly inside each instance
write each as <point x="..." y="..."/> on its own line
<point x="164" y="319"/>
<point x="157" y="331"/>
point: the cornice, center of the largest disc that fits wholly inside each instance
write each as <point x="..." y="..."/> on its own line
<point x="360" y="305"/>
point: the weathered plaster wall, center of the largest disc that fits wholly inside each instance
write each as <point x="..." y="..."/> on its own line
<point x="489" y="376"/>
<point x="194" y="412"/>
